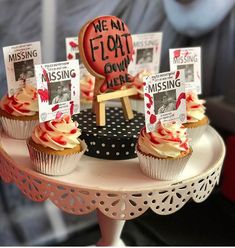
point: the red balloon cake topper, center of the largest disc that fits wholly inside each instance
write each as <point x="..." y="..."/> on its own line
<point x="106" y="49"/>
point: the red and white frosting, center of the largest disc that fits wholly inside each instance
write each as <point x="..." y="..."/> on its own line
<point x="24" y="103"/>
<point x="138" y="82"/>
<point x="87" y="84"/>
<point x="194" y="107"/>
<point x="57" y="134"/>
<point x="169" y="140"/>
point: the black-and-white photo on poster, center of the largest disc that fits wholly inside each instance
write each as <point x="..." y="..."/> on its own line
<point x="164" y="101"/>
<point x="77" y="56"/>
<point x="144" y="56"/>
<point x="188" y="72"/>
<point x="24" y="70"/>
<point x="59" y="92"/>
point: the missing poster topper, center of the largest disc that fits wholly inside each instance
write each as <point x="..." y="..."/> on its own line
<point x="19" y="63"/>
<point x="58" y="90"/>
<point x="164" y="98"/>
<point x="72" y="52"/>
<point x="188" y="59"/>
<point x="147" y="51"/>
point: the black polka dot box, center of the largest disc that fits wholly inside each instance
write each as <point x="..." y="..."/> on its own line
<point x="116" y="140"/>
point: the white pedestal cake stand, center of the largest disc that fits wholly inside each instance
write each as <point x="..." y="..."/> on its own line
<point x="116" y="189"/>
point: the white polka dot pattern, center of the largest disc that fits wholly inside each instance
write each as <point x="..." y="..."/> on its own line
<point x="116" y="140"/>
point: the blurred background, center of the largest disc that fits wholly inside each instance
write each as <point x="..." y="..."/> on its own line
<point x="184" y="23"/>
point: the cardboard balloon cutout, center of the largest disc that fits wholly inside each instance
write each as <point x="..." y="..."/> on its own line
<point x="106" y="49"/>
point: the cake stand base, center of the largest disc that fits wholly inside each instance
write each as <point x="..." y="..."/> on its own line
<point x="110" y="230"/>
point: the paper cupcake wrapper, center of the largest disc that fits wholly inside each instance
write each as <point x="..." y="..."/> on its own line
<point x="55" y="165"/>
<point x="162" y="169"/>
<point x="18" y="129"/>
<point x="195" y="134"/>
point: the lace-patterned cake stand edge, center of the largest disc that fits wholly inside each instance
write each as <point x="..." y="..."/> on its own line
<point x="116" y="189"/>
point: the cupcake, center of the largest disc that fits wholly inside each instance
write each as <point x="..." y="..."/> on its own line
<point x="87" y="84"/>
<point x="197" y="121"/>
<point x="19" y="113"/>
<point x="137" y="101"/>
<point x="163" y="153"/>
<point x="54" y="147"/>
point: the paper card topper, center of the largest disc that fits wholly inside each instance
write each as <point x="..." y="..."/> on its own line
<point x="164" y="98"/>
<point x="106" y="49"/>
<point x="19" y="63"/>
<point x="188" y="59"/>
<point x="72" y="52"/>
<point x="147" y="52"/>
<point x="58" y="90"/>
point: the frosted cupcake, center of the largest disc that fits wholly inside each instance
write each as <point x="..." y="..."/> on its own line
<point x="87" y="84"/>
<point x="137" y="101"/>
<point x="54" y="147"/>
<point x="163" y="153"/>
<point x="197" y="121"/>
<point x="19" y="113"/>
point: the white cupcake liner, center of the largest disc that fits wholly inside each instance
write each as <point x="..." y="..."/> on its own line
<point x="195" y="134"/>
<point x="162" y="169"/>
<point x="137" y="105"/>
<point x="18" y="129"/>
<point x="55" y="165"/>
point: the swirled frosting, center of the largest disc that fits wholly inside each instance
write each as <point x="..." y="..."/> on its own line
<point x="194" y="107"/>
<point x="169" y="140"/>
<point x="138" y="82"/>
<point x="57" y="134"/>
<point x="23" y="103"/>
<point x="87" y="84"/>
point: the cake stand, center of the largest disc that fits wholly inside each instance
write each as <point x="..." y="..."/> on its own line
<point x="116" y="189"/>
